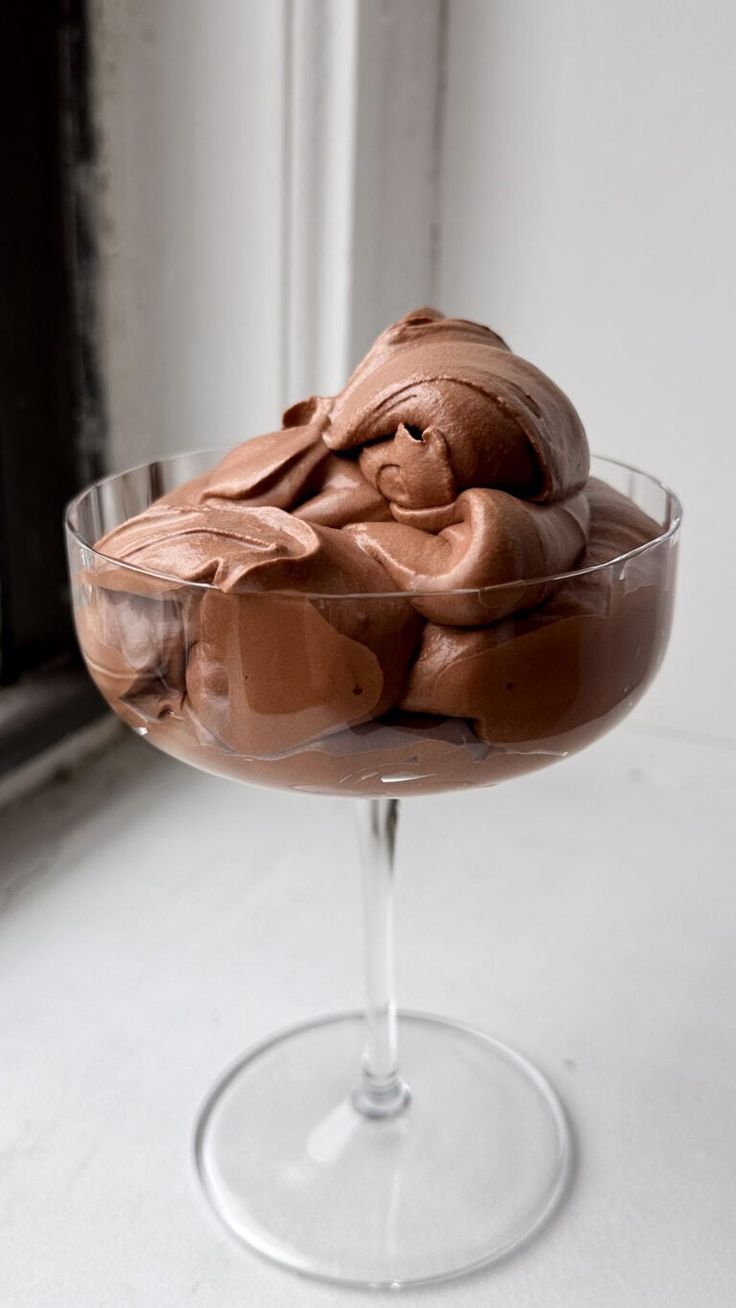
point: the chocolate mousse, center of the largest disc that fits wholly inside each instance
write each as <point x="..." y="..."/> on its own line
<point x="402" y="590"/>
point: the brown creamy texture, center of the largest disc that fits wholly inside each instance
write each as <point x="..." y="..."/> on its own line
<point x="446" y="464"/>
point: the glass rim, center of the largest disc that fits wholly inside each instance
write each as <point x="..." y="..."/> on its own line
<point x="73" y="531"/>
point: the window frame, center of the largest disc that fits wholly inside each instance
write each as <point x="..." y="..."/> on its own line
<point x="52" y="421"/>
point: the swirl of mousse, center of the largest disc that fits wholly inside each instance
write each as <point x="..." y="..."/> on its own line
<point x="479" y="483"/>
<point x="598" y="634"/>
<point x="293" y="469"/>
<point x="482" y="459"/>
<point x="443" y="406"/>
<point x="264" y="672"/>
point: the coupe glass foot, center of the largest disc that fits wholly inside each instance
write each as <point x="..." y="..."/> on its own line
<point x="470" y="1168"/>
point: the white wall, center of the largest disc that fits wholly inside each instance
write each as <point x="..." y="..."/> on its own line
<point x="190" y="97"/>
<point x="589" y="213"/>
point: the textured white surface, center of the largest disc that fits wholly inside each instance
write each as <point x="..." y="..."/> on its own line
<point x="154" y="922"/>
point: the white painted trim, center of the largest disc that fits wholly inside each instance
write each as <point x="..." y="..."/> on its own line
<point x="362" y="102"/>
<point x="396" y="163"/>
<point x="317" y="201"/>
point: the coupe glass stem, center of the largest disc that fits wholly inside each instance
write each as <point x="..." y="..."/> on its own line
<point x="381" y="1091"/>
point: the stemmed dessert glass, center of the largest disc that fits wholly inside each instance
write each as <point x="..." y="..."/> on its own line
<point x="380" y="1148"/>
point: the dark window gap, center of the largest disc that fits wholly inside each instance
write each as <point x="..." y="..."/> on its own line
<point x="52" y="420"/>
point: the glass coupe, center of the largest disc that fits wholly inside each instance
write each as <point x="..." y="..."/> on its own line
<point x="320" y="1148"/>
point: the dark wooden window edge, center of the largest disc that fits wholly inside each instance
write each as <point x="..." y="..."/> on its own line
<point x="52" y="418"/>
<point x="41" y="709"/>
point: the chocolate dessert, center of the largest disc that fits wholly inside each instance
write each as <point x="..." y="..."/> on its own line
<point x="414" y="585"/>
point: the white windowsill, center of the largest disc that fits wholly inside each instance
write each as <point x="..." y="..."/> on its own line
<point x="154" y="922"/>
